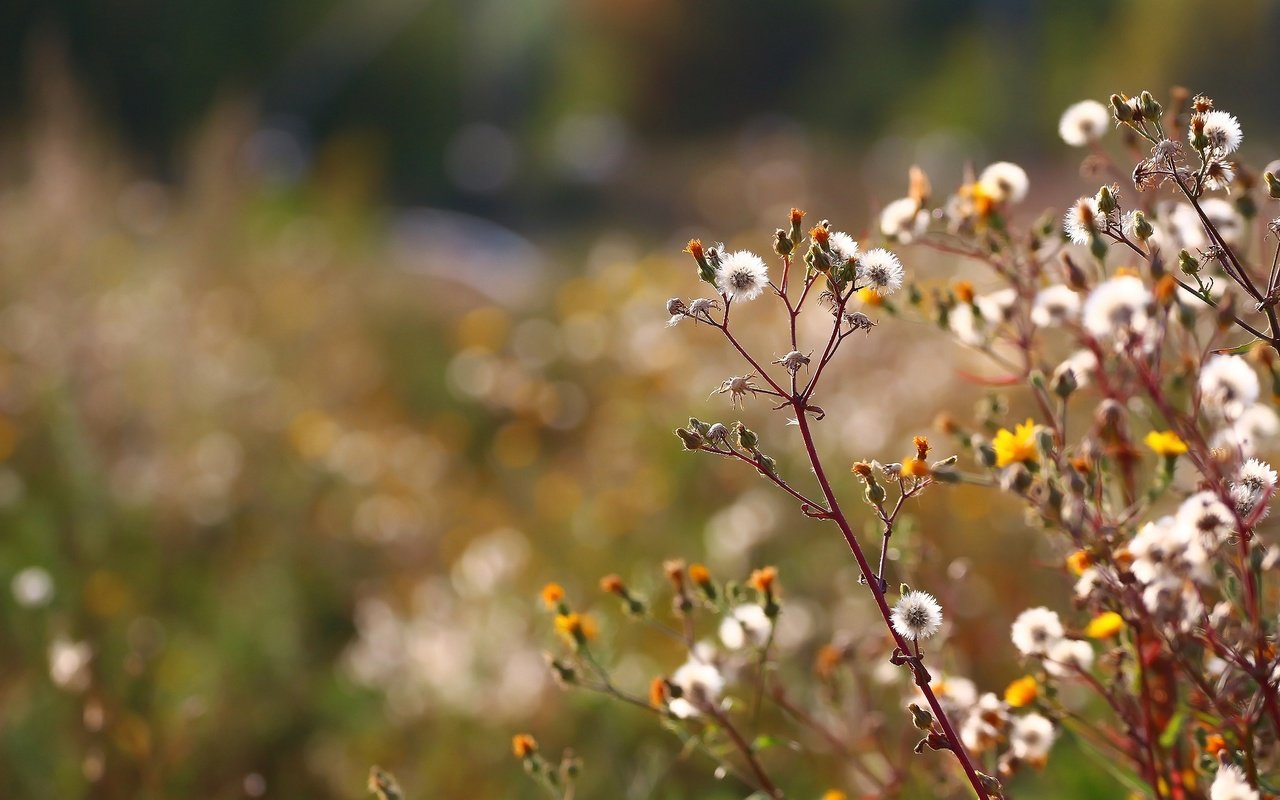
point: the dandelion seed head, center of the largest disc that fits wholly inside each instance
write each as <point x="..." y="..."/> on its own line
<point x="1083" y="123"/>
<point x="917" y="615"/>
<point x="742" y="275"/>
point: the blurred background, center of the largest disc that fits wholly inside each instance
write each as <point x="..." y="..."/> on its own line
<point x="331" y="330"/>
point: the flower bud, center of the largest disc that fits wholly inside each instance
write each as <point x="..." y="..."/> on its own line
<point x="692" y="441"/>
<point x="1141" y="227"/>
<point x="1107" y="200"/>
<point x="782" y="244"/>
<point x="796" y="232"/>
<point x="1189" y="265"/>
<point x="1072" y="273"/>
<point x="1150" y="108"/>
<point x="747" y="438"/>
<point x="1273" y="185"/>
<point x="1064" y="382"/>
<point x="1120" y="109"/>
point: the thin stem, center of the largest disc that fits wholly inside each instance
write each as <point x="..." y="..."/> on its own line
<point x="837" y="516"/>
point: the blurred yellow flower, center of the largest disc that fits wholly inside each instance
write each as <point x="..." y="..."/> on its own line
<point x="1015" y="446"/>
<point x="552" y="594"/>
<point x="1104" y="626"/>
<point x="1165" y="443"/>
<point x="1079" y="561"/>
<point x="834" y="794"/>
<point x="523" y="745"/>
<point x="576" y="628"/>
<point x="1021" y="692"/>
<point x="870" y="296"/>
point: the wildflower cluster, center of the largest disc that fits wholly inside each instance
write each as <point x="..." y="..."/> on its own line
<point x="1141" y="321"/>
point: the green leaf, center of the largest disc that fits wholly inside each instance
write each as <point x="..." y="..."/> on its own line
<point x="1170" y="733"/>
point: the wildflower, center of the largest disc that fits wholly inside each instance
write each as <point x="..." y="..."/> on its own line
<point x="1219" y="173"/>
<point x="917" y="615"/>
<point x="612" y="584"/>
<point x="984" y="723"/>
<point x="577" y="629"/>
<point x="523" y="745"/>
<point x="1227" y="385"/>
<point x="1068" y="655"/>
<point x="1083" y="123"/>
<point x="1054" y="306"/>
<point x="1031" y="738"/>
<point x="834" y="794"/>
<point x="1214" y="744"/>
<point x="881" y="270"/>
<point x="915" y="468"/>
<point x="843" y="248"/>
<point x="1021" y="692"/>
<point x="552" y="596"/>
<point x="1231" y="784"/>
<point x="1083" y="221"/>
<point x="745" y="625"/>
<point x="1205" y="514"/>
<point x="700" y="684"/>
<point x="1165" y="443"/>
<point x="1005" y="182"/>
<point x="1255" y="483"/>
<point x="742" y="275"/>
<point x="1118" y="307"/>
<point x="1164" y="548"/>
<point x="699" y="574"/>
<point x="1079" y="561"/>
<point x="1036" y="630"/>
<point x="903" y="220"/>
<point x="1220" y="129"/>
<point x="763" y="579"/>
<point x="1104" y="626"/>
<point x="967" y="326"/>
<point x="1016" y="446"/>
<point x="658" y="692"/>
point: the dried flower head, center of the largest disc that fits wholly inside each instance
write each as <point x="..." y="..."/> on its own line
<point x="1036" y="630"/>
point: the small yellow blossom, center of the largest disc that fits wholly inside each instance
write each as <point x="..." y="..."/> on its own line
<point x="1015" y="446"/>
<point x="699" y="574"/>
<point x="1165" y="443"/>
<point x="1104" y="626"/>
<point x="1079" y="561"/>
<point x="552" y="594"/>
<point x="834" y="794"/>
<point x="523" y="745"/>
<point x="915" y="468"/>
<point x="870" y="296"/>
<point x="1021" y="692"/>
<point x="576" y="628"/>
<point x="763" y="579"/>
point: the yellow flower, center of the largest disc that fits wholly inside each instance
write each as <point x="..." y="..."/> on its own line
<point x="915" y="468"/>
<point x="1079" y="561"/>
<point x="523" y="745"/>
<point x="552" y="594"/>
<point x="1021" y="692"/>
<point x="1020" y="445"/>
<point x="576" y="628"/>
<point x="1104" y="626"/>
<point x="1165" y="443"/>
<point x="870" y="296"/>
<point x="834" y="794"/>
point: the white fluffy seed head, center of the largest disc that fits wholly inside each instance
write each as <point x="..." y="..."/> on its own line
<point x="1005" y="181"/>
<point x="1228" y="385"/>
<point x="1083" y="221"/>
<point x="917" y="615"/>
<point x="742" y="275"/>
<point x="1036" y="630"/>
<point x="1222" y="130"/>
<point x="1083" y="123"/>
<point x="881" y="270"/>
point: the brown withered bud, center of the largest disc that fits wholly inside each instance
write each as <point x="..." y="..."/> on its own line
<point x="1072" y="274"/>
